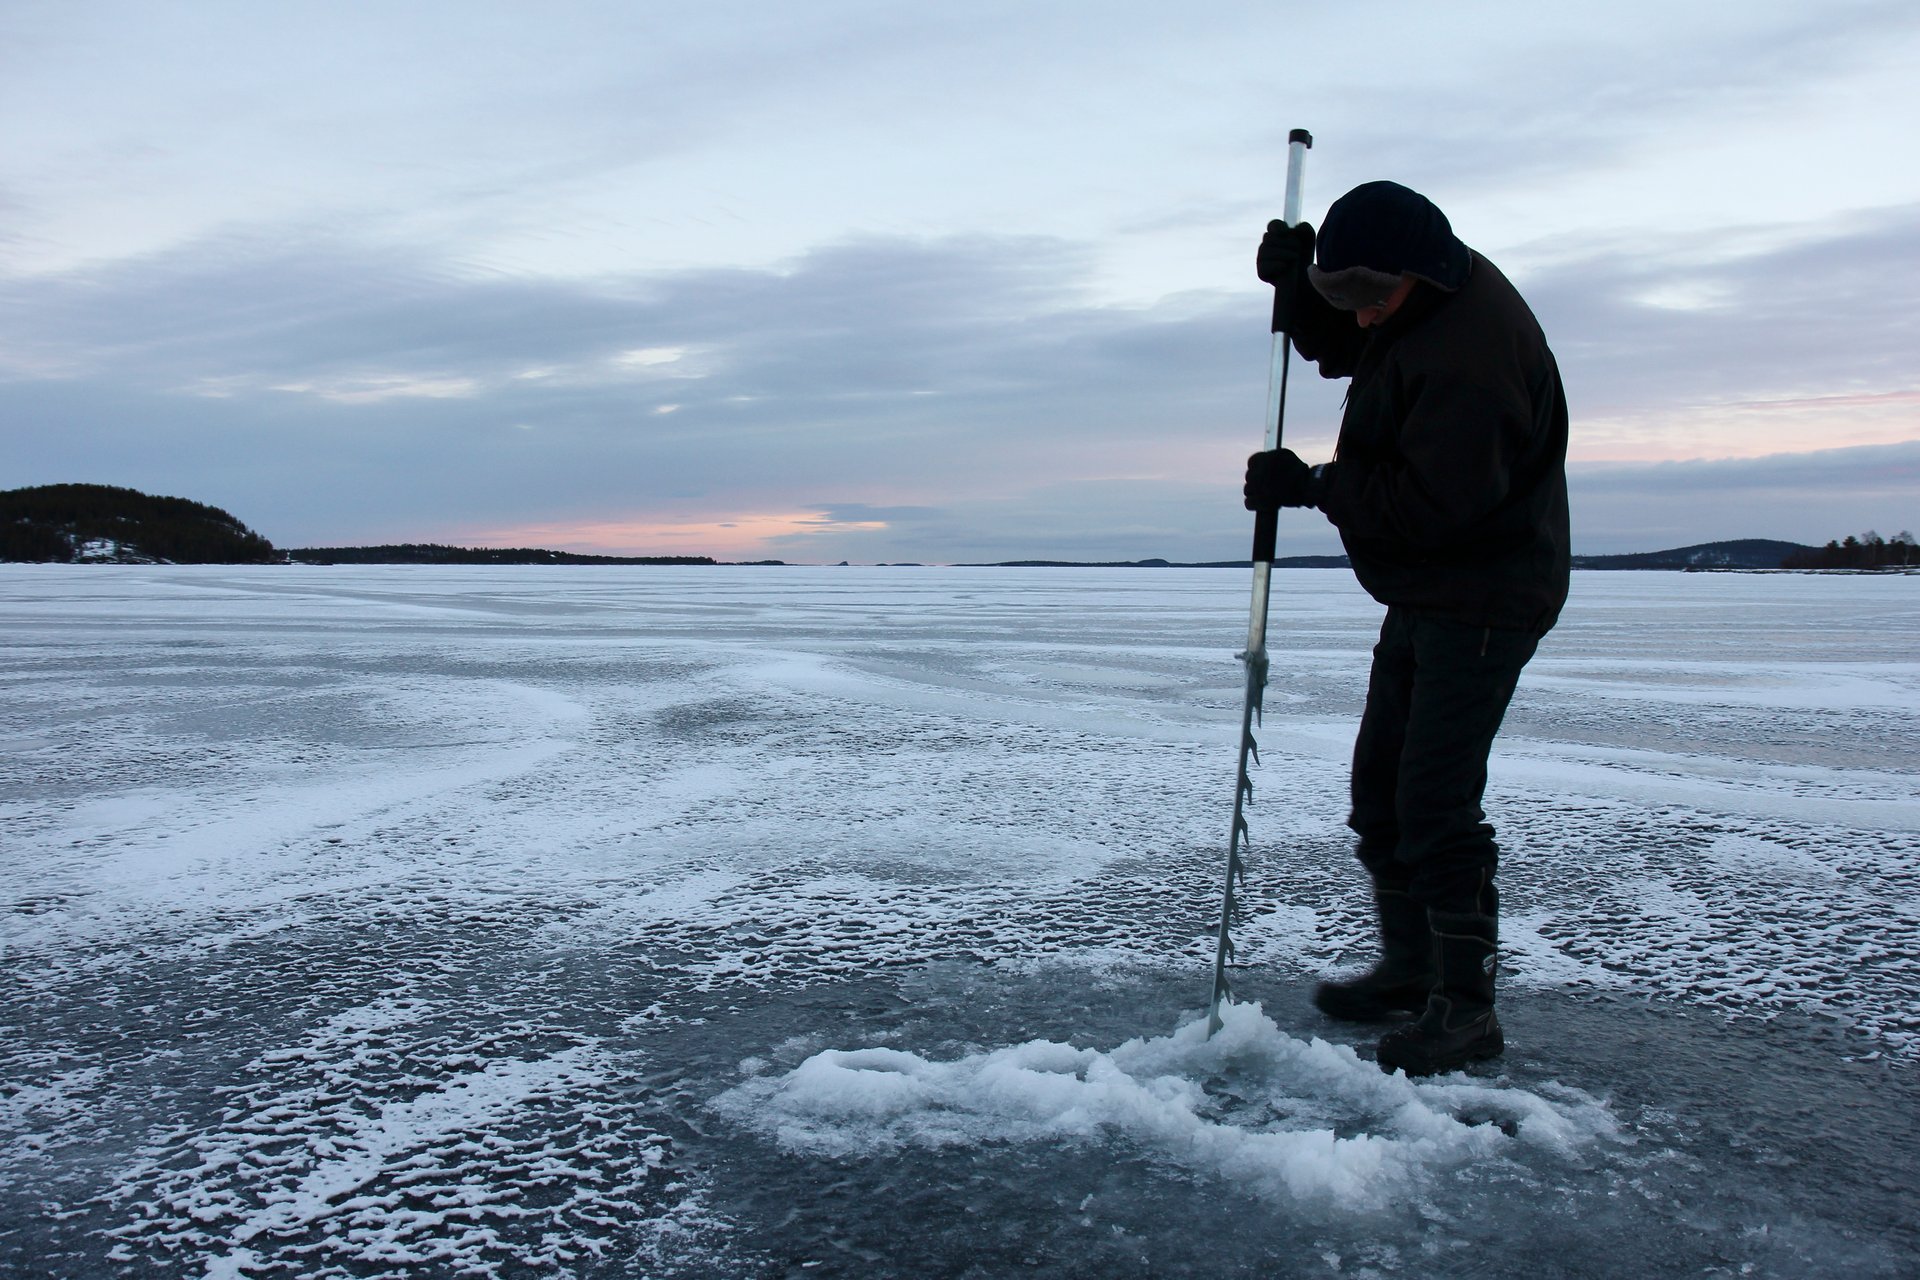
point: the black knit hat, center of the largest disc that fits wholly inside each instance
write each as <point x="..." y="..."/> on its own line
<point x="1378" y="232"/>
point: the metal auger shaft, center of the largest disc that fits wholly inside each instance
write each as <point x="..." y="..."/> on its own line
<point x="1265" y="532"/>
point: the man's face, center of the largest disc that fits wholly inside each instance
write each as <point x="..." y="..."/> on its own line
<point x="1368" y="317"/>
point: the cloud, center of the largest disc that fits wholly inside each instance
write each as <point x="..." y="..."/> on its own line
<point x="880" y="398"/>
<point x="1892" y="469"/>
<point x="1803" y="497"/>
<point x="1094" y="519"/>
<point x="887" y="372"/>
<point x="838" y="513"/>
<point x="1773" y="339"/>
<point x="1527" y="105"/>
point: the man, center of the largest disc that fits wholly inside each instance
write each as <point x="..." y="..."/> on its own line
<point x="1448" y="486"/>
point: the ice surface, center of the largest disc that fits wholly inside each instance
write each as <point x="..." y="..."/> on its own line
<point x="417" y="921"/>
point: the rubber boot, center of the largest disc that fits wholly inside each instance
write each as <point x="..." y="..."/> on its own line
<point x="1404" y="976"/>
<point x="1458" y="1025"/>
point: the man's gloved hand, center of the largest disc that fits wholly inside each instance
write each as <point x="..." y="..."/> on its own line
<point x="1277" y="478"/>
<point x="1284" y="253"/>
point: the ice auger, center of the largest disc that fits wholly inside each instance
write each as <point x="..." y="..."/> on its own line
<point x="1265" y="527"/>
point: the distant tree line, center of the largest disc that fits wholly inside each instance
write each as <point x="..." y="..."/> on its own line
<point x="1867" y="551"/>
<point x="434" y="553"/>
<point x="57" y="522"/>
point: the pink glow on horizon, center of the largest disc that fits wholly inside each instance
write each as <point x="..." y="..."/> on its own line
<point x="1748" y="428"/>
<point x="741" y="537"/>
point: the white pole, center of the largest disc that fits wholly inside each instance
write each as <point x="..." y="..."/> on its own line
<point x="1265" y="524"/>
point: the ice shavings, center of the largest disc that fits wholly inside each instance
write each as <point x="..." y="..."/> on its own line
<point x="1278" y="1116"/>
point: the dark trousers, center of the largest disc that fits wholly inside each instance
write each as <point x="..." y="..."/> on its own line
<point x="1435" y="700"/>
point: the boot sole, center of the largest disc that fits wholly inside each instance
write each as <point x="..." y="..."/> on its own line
<point x="1480" y="1051"/>
<point x="1345" y="1006"/>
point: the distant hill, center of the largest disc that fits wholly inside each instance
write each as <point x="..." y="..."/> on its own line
<point x="432" y="553"/>
<point x="1741" y="553"/>
<point x="103" y="524"/>
<point x="1284" y="562"/>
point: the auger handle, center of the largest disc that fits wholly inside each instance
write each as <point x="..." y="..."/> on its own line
<point x="1266" y="524"/>
<point x="1298" y="143"/>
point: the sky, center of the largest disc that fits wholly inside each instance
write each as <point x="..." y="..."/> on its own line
<point x="879" y="282"/>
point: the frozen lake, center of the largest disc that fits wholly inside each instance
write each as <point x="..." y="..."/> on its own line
<point x="762" y="922"/>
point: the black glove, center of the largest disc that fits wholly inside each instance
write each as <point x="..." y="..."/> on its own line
<point x="1277" y="478"/>
<point x="1284" y="255"/>
<point x="1285" y="252"/>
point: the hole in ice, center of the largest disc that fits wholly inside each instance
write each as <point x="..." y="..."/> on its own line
<point x="1505" y="1124"/>
<point x="1285" y="1117"/>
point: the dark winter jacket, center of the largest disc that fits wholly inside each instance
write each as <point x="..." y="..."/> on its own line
<point x="1449" y="482"/>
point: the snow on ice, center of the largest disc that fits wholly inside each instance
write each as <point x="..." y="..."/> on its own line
<point x="626" y="922"/>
